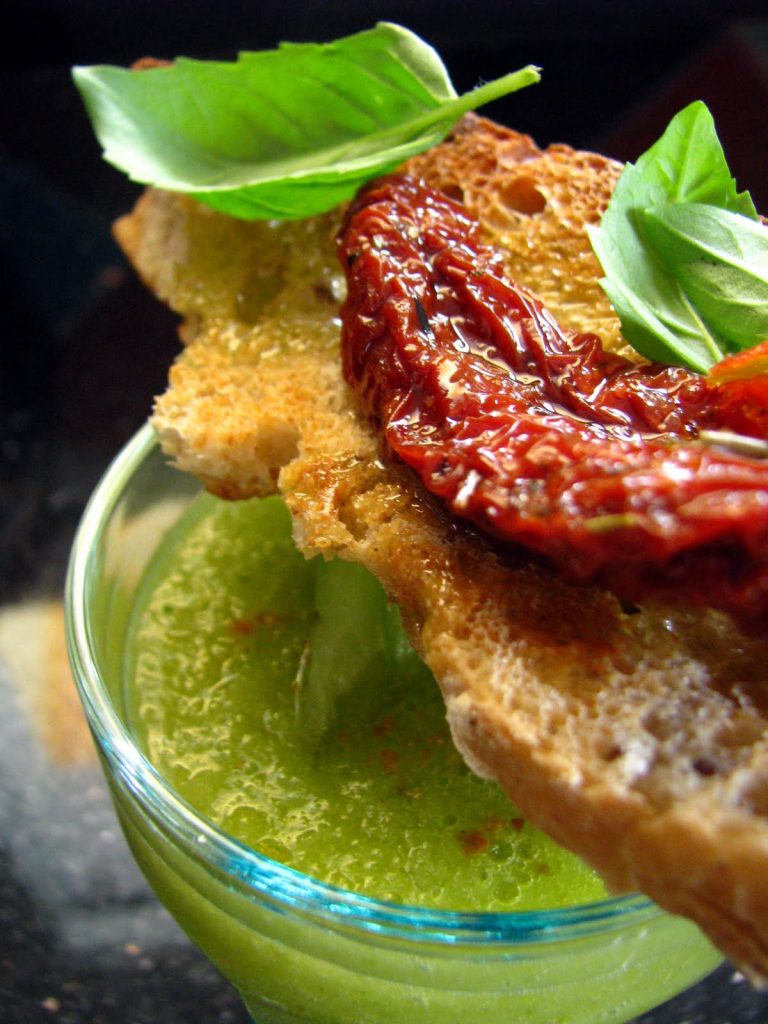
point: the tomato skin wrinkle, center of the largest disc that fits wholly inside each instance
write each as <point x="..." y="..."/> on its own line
<point x="534" y="433"/>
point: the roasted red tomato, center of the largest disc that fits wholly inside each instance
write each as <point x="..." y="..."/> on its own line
<point x="619" y="473"/>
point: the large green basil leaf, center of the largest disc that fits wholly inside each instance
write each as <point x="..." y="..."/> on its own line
<point x="281" y="133"/>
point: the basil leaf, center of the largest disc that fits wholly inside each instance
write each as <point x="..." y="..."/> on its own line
<point x="282" y="133"/>
<point x="356" y="642"/>
<point x="721" y="260"/>
<point x="658" y="317"/>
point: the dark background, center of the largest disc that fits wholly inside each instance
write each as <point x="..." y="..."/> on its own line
<point x="83" y="349"/>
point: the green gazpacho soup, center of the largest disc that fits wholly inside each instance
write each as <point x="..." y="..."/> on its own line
<point x="279" y="696"/>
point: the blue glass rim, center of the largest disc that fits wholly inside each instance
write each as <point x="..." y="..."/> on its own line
<point x="249" y="870"/>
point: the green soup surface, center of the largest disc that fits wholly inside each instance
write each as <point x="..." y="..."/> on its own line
<point x="371" y="795"/>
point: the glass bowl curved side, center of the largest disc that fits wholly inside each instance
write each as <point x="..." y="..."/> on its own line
<point x="299" y="950"/>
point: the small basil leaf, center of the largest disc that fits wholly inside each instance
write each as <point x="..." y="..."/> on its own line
<point x="685" y="165"/>
<point x="287" y="132"/>
<point x="688" y="165"/>
<point x="721" y="260"/>
<point x="356" y="642"/>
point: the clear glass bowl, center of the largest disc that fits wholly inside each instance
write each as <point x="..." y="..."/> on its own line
<point x="301" y="951"/>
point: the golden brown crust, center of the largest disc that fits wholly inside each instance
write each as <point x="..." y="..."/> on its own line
<point x="535" y="204"/>
<point x="635" y="737"/>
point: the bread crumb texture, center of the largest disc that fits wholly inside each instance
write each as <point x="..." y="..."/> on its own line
<point x="636" y="737"/>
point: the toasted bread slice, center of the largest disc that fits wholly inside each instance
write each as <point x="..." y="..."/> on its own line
<point x="636" y="737"/>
